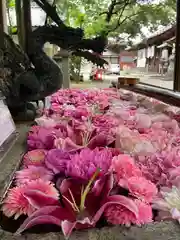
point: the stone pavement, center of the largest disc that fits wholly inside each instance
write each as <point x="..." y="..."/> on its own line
<point x="151" y="78"/>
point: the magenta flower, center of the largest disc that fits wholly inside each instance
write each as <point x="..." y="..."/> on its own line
<point x="40" y="138"/>
<point x="84" y="164"/>
<point x="78" y="211"/>
<point x="43" y="138"/>
<point x="56" y="160"/>
<point x="32" y="173"/>
<point x="105" y="123"/>
<point x="99" y="140"/>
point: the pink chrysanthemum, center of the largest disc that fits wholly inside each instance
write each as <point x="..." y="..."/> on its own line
<point x="120" y="215"/>
<point x="141" y="188"/>
<point x="84" y="164"/>
<point x="35" y="157"/>
<point x="31" y="173"/>
<point x="17" y="204"/>
<point x="125" y="168"/>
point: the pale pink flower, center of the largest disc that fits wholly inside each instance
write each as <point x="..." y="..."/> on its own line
<point x="35" y="157"/>
<point x="16" y="204"/>
<point x="120" y="215"/>
<point x="125" y="168"/>
<point x="31" y="173"/>
<point x="133" y="142"/>
<point x="142" y="121"/>
<point x="141" y="188"/>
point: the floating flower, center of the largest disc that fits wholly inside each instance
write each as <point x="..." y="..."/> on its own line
<point x="168" y="203"/>
<point x="170" y="199"/>
<point x="122" y="215"/>
<point x="141" y="188"/>
<point x="56" y="160"/>
<point x="17" y="203"/>
<point x="84" y="164"/>
<point x="133" y="142"/>
<point x="35" y="157"/>
<point x="31" y="173"/>
<point x="105" y="123"/>
<point x="43" y="138"/>
<point x="125" y="168"/>
<point x="78" y="211"/>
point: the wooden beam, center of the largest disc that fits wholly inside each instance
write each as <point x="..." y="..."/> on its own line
<point x="177" y="56"/>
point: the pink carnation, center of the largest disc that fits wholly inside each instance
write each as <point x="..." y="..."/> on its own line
<point x="125" y="168"/>
<point x="17" y="204"/>
<point x="141" y="188"/>
<point x="118" y="214"/>
<point x="35" y="157"/>
<point x="31" y="173"/>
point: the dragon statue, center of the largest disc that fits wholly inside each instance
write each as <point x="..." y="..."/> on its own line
<point x="31" y="76"/>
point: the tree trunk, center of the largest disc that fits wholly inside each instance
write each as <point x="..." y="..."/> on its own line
<point x="26" y="17"/>
<point x="1" y="24"/>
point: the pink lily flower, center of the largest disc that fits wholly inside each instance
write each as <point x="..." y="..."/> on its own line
<point x="77" y="211"/>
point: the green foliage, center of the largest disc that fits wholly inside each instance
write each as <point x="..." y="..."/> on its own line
<point x="129" y="18"/>
<point x="10" y="3"/>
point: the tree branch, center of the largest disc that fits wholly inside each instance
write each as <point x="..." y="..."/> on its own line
<point x="110" y="12"/>
<point x="119" y="23"/>
<point x="51" y="11"/>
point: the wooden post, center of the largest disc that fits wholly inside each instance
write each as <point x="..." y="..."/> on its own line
<point x="177" y="55"/>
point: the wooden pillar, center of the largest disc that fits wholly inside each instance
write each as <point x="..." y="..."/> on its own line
<point x="177" y="55"/>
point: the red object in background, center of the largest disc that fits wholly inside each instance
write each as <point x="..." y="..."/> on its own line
<point x="126" y="60"/>
<point x="98" y="75"/>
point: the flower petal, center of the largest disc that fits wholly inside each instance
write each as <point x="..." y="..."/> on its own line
<point x="56" y="214"/>
<point x="39" y="199"/>
<point x="54" y="211"/>
<point x="100" y="140"/>
<point x="116" y="199"/>
<point x="104" y="184"/>
<point x="45" y="219"/>
<point x="68" y="145"/>
<point x="175" y="214"/>
<point x="67" y="227"/>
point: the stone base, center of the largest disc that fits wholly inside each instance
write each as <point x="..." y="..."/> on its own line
<point x="157" y="231"/>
